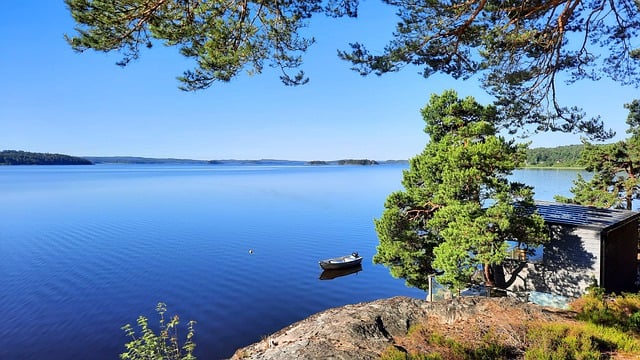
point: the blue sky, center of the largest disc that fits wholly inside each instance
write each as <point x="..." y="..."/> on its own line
<point x="55" y="100"/>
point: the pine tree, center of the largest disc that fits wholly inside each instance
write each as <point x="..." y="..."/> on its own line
<point x="458" y="210"/>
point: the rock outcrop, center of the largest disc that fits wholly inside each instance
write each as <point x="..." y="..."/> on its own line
<point x="365" y="330"/>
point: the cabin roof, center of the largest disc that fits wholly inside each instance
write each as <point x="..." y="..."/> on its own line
<point x="583" y="216"/>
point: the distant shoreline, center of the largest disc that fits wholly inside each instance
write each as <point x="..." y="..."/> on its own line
<point x="554" y="167"/>
<point x="276" y="162"/>
<point x="15" y="157"/>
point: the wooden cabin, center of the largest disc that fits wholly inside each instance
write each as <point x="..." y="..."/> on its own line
<point x="588" y="246"/>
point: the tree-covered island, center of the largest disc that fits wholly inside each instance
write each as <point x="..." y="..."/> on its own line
<point x="344" y="162"/>
<point x="15" y="157"/>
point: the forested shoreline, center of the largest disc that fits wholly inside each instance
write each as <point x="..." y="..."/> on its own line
<point x="15" y="157"/>
<point x="561" y="156"/>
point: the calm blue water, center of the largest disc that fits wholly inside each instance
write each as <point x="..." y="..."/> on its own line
<point x="85" y="250"/>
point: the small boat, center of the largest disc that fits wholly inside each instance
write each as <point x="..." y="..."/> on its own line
<point x="335" y="273"/>
<point x="341" y="262"/>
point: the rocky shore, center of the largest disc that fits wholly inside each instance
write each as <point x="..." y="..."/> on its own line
<point x="365" y="330"/>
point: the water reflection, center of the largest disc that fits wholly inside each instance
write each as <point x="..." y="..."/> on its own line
<point x="332" y="274"/>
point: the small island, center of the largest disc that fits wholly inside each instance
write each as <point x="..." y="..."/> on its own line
<point x="270" y="162"/>
<point x="16" y="157"/>
<point x="344" y="162"/>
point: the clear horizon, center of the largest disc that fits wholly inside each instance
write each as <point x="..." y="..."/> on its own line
<point x="56" y="101"/>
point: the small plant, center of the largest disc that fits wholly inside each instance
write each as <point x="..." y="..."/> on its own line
<point x="162" y="346"/>
<point x="393" y="353"/>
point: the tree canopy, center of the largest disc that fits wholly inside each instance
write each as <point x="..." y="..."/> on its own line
<point x="615" y="168"/>
<point x="223" y="37"/>
<point x="520" y="47"/>
<point x="458" y="210"/>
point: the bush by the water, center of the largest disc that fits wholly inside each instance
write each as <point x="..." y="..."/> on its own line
<point x="147" y="345"/>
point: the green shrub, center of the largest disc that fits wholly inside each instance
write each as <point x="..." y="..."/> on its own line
<point x="393" y="353"/>
<point x="621" y="312"/>
<point x="162" y="346"/>
<point x="490" y="351"/>
<point x="560" y="342"/>
<point x="613" y="339"/>
<point x="580" y="342"/>
<point x="634" y="322"/>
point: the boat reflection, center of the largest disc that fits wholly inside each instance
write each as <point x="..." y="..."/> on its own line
<point x="332" y="274"/>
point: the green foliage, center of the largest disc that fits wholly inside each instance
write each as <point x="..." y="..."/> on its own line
<point x="620" y="312"/>
<point x="560" y="342"/>
<point x="615" y="168"/>
<point x="588" y="341"/>
<point x="445" y="347"/>
<point x="487" y="350"/>
<point x="392" y="353"/>
<point x="164" y="345"/>
<point x="519" y="47"/>
<point x="458" y="209"/>
<point x="13" y="157"/>
<point x="222" y="37"/>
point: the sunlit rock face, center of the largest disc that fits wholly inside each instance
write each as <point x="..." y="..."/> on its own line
<point x="365" y="330"/>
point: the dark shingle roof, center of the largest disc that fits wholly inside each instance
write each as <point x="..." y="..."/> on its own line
<point x="583" y="216"/>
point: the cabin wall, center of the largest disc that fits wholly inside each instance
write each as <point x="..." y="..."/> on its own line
<point x="620" y="268"/>
<point x="570" y="263"/>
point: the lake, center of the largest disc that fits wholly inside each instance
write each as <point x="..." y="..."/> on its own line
<point x="87" y="249"/>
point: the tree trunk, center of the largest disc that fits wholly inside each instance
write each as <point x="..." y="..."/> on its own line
<point x="488" y="275"/>
<point x="494" y="276"/>
<point x="498" y="276"/>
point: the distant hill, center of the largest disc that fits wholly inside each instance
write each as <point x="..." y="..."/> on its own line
<point x="271" y="162"/>
<point x="140" y="160"/>
<point x="257" y="162"/>
<point x="344" y="162"/>
<point x="16" y="157"/>
<point x="404" y="162"/>
<point x="298" y="163"/>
